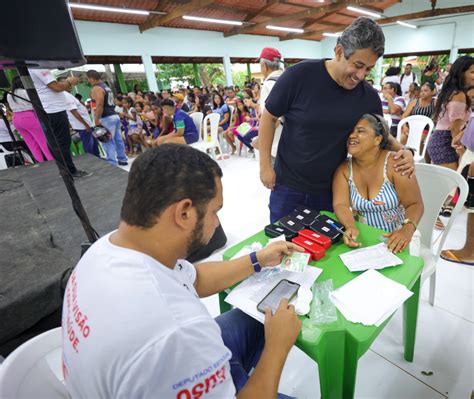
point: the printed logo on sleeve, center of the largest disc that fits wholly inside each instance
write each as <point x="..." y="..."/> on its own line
<point x="205" y="381"/>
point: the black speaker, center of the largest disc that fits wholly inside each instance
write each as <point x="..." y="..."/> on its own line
<point x="40" y="33"/>
<point x="4" y="83"/>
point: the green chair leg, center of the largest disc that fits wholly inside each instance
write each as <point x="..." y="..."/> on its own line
<point x="73" y="149"/>
<point x="351" y="359"/>
<point x="410" y="316"/>
<point x="330" y="355"/>
<point x="223" y="305"/>
<point x="80" y="148"/>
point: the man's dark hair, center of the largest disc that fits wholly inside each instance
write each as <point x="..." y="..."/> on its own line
<point x="361" y="34"/>
<point x="408" y="65"/>
<point x="167" y="102"/>
<point x="395" y="87"/>
<point x="93" y="74"/>
<point x="165" y="175"/>
<point x="393" y="71"/>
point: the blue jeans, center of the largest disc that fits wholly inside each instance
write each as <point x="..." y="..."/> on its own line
<point x="91" y="146"/>
<point x="245" y="337"/>
<point x="115" y="148"/>
<point x="284" y="200"/>
<point x="247" y="139"/>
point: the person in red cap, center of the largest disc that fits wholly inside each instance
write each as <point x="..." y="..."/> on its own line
<point x="271" y="66"/>
<point x="320" y="100"/>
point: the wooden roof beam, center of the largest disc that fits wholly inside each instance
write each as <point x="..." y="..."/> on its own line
<point x="427" y="14"/>
<point x="262" y="10"/>
<point x="389" y="20"/>
<point x="176" y="13"/>
<point x="293" y="17"/>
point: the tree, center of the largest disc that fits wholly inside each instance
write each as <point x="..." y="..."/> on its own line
<point x="178" y="71"/>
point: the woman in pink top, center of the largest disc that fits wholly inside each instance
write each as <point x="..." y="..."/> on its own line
<point x="451" y="113"/>
<point x="26" y="122"/>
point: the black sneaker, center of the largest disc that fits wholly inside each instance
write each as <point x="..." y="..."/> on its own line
<point x="81" y="173"/>
<point x="123" y="163"/>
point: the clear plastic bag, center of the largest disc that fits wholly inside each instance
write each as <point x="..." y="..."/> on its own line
<point x="322" y="309"/>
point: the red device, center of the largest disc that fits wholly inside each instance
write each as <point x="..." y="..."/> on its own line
<point x="316" y="251"/>
<point x="319" y="239"/>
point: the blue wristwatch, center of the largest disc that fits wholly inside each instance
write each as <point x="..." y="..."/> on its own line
<point x="255" y="263"/>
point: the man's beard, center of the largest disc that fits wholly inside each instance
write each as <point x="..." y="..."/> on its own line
<point x="196" y="241"/>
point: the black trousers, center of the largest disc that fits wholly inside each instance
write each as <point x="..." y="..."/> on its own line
<point x="60" y="124"/>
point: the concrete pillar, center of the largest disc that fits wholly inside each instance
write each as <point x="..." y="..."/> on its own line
<point x="228" y="70"/>
<point x="453" y="54"/>
<point x="197" y="79"/>
<point x="378" y="72"/>
<point x="150" y="73"/>
<point x="120" y="78"/>
<point x="110" y="78"/>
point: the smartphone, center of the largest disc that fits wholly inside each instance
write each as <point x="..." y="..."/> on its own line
<point x="284" y="289"/>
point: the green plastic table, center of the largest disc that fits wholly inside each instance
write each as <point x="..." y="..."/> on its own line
<point x="337" y="347"/>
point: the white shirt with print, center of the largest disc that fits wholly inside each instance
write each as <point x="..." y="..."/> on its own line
<point x="74" y="104"/>
<point x="134" y="328"/>
<point x="52" y="101"/>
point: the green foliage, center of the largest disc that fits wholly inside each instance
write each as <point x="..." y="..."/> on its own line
<point x="165" y="72"/>
<point x="239" y="78"/>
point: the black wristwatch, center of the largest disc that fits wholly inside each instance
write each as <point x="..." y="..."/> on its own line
<point x="255" y="263"/>
<point x="412" y="150"/>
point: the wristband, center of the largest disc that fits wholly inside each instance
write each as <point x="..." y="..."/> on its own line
<point x="255" y="263"/>
<point x="409" y="221"/>
<point x="412" y="150"/>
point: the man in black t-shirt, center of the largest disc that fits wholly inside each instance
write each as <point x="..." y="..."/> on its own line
<point x="321" y="101"/>
<point x="105" y="115"/>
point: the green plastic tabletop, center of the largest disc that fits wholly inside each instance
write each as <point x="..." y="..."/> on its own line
<point x="336" y="347"/>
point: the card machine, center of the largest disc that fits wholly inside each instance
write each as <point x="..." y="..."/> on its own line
<point x="321" y="227"/>
<point x="291" y="224"/>
<point x="328" y="220"/>
<point x="316" y="251"/>
<point x="307" y="212"/>
<point x="273" y="230"/>
<point x="302" y="217"/>
<point x="319" y="239"/>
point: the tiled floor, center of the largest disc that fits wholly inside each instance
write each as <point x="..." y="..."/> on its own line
<point x="445" y="332"/>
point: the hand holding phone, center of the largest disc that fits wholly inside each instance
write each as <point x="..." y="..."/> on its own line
<point x="281" y="328"/>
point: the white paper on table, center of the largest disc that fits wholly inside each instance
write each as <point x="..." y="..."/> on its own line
<point x="276" y="239"/>
<point x="246" y="250"/>
<point x="370" y="298"/>
<point x="374" y="257"/>
<point x="248" y="294"/>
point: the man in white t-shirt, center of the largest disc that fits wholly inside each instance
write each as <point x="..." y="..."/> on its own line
<point x="407" y="79"/>
<point x="51" y="94"/>
<point x="133" y="324"/>
<point x="81" y="122"/>
<point x="271" y="66"/>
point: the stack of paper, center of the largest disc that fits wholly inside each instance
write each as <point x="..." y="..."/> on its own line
<point x="370" y="298"/>
<point x="248" y="294"/>
<point x="374" y="257"/>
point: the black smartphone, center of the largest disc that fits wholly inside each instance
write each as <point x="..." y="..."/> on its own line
<point x="284" y="289"/>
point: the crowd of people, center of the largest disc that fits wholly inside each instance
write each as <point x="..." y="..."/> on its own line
<point x="131" y="122"/>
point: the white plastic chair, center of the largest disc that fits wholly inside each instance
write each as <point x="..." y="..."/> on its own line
<point x="436" y="183"/>
<point x="4" y="152"/>
<point x="197" y="119"/>
<point x="205" y="145"/>
<point x="416" y="125"/>
<point x="34" y="370"/>
<point x="388" y="119"/>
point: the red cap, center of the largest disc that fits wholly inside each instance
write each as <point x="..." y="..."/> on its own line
<point x="270" y="54"/>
